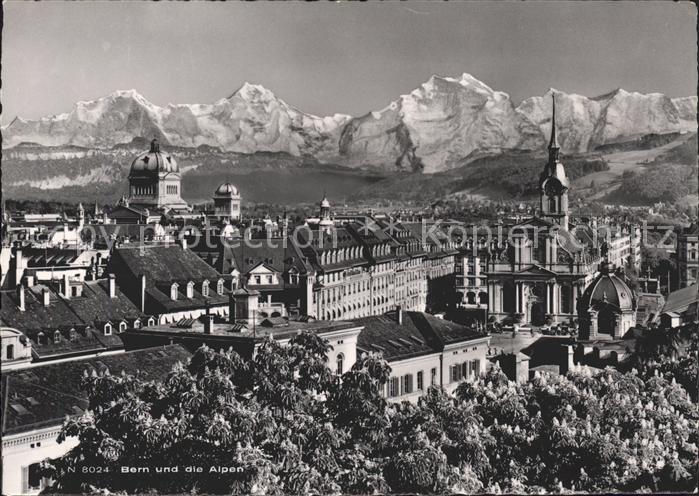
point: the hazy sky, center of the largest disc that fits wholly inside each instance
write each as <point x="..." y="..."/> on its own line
<point x="337" y="57"/>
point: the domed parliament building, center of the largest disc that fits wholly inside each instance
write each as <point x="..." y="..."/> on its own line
<point x="155" y="181"/>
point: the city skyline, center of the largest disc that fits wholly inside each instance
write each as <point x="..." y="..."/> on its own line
<point x="493" y="42"/>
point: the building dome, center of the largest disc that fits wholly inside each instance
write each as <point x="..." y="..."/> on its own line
<point x="226" y="189"/>
<point x="154" y="161"/>
<point x="325" y="203"/>
<point x="608" y="288"/>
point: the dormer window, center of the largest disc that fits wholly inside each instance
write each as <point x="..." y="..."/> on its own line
<point x="151" y="321"/>
<point x="41" y="338"/>
<point x="73" y="335"/>
<point x="219" y="286"/>
<point x="205" y="289"/>
<point x="107" y="329"/>
<point x="173" y="291"/>
<point x="57" y="337"/>
<point x="122" y="326"/>
<point x="136" y="324"/>
<point x="190" y="289"/>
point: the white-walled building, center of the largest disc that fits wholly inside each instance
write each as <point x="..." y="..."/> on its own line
<point x="36" y="402"/>
<point x="423" y="351"/>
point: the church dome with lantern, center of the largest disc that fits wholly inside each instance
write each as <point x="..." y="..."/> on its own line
<point x="610" y="288"/>
<point x="227" y="203"/>
<point x="154" y="161"/>
<point x="226" y="190"/>
<point x="607" y="306"/>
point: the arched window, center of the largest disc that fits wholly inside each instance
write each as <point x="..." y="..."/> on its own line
<point x="340" y="364"/>
<point x="205" y="289"/>
<point x="219" y="286"/>
<point x="107" y="329"/>
<point x="73" y="335"/>
<point x="57" y="337"/>
<point x="10" y="352"/>
<point x="173" y="291"/>
<point x="122" y="326"/>
<point x="552" y="204"/>
<point x="190" y="289"/>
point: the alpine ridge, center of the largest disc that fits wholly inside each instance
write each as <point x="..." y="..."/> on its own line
<point x="444" y="123"/>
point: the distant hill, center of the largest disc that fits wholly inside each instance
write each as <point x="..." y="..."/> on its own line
<point x="66" y="173"/>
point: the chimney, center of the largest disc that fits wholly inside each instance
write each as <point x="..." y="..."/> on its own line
<point x="112" y="286"/>
<point x="66" y="285"/>
<point x="231" y="308"/>
<point x="399" y="314"/>
<point x="21" y="297"/>
<point x="143" y="293"/>
<point x="567" y="361"/>
<point x="46" y="297"/>
<point x="208" y="322"/>
<point x="18" y="263"/>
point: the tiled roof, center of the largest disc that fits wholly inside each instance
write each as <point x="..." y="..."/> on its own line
<point x="42" y="396"/>
<point x="38" y="257"/>
<point x="36" y="315"/>
<point x="83" y="341"/>
<point x="96" y="305"/>
<point x="680" y="300"/>
<point x="443" y="331"/>
<point x="382" y="334"/>
<point x="419" y="334"/>
<point x="164" y="263"/>
<point x="92" y="308"/>
<point x="277" y="254"/>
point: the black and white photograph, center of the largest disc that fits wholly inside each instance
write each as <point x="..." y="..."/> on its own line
<point x="349" y="248"/>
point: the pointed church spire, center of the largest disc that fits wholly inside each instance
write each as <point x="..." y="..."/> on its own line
<point x="554" y="149"/>
<point x="554" y="141"/>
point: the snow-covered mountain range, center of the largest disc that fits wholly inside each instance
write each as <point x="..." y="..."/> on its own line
<point x="442" y="124"/>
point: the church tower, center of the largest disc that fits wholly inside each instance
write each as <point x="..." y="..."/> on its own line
<point x="553" y="183"/>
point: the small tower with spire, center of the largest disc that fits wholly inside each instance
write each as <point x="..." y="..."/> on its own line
<point x="553" y="183"/>
<point x="81" y="215"/>
<point x="326" y="222"/>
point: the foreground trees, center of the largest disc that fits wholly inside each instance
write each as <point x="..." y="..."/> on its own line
<point x="283" y="424"/>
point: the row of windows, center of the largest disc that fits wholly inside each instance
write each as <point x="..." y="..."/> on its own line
<point x="174" y="289"/>
<point x="398" y="386"/>
<point x="464" y="370"/>
<point x="143" y="190"/>
<point x="335" y="256"/>
<point x="171" y="189"/>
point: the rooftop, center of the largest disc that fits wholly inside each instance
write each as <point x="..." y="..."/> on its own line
<point x="42" y="396"/>
<point x="419" y="334"/>
<point x="272" y="328"/>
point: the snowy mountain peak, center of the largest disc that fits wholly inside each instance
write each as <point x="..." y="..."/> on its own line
<point x="469" y="80"/>
<point x="442" y="123"/>
<point x="253" y="92"/>
<point x="132" y="93"/>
